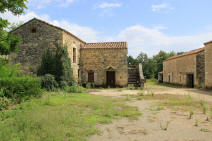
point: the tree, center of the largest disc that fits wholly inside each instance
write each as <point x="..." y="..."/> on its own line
<point x="131" y="61"/>
<point x="56" y="64"/>
<point x="8" y="42"/>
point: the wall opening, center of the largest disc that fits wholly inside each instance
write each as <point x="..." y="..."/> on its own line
<point x="74" y="55"/>
<point x="190" y="80"/>
<point x="111" y="78"/>
<point x="33" y="30"/>
<point x="91" y="76"/>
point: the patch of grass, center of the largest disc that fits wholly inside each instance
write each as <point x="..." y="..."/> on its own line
<point x="211" y="112"/>
<point x="204" y="130"/>
<point x="165" y="128"/>
<point x="62" y="117"/>
<point x="191" y="113"/>
<point x="196" y="123"/>
<point x="154" y="82"/>
<point x="156" y="108"/>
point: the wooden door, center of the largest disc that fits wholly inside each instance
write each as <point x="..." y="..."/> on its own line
<point x="91" y="77"/>
<point x="111" y="78"/>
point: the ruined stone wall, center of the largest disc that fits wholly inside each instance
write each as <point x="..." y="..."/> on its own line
<point x="178" y="68"/>
<point x="208" y="65"/>
<point x="34" y="44"/>
<point x="200" y="69"/>
<point x="71" y="42"/>
<point x="100" y="60"/>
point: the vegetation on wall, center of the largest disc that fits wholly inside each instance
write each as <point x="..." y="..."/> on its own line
<point x="151" y="65"/>
<point x="9" y="42"/>
<point x="56" y="64"/>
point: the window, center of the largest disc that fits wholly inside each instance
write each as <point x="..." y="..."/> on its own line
<point x="33" y="30"/>
<point x="74" y="55"/>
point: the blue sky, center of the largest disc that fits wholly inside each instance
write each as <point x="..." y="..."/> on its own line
<point x="147" y="25"/>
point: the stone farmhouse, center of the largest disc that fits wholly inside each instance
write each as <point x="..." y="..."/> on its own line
<point x="191" y="69"/>
<point x="104" y="63"/>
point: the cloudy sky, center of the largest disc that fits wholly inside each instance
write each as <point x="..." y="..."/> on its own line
<point x="147" y="25"/>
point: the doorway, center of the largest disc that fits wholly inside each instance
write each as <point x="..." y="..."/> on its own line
<point x="111" y="78"/>
<point x="190" y="80"/>
<point x="91" y="77"/>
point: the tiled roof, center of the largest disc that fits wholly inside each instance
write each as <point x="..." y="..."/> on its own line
<point x="105" y="45"/>
<point x="186" y="54"/>
<point x="51" y="26"/>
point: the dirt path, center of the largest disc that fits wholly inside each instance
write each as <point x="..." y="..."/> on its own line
<point x="148" y="126"/>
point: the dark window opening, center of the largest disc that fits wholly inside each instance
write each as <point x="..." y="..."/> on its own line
<point x="34" y="30"/>
<point x="74" y="55"/>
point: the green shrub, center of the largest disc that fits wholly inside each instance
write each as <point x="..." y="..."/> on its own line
<point x="89" y="85"/>
<point x="20" y="88"/>
<point x="7" y="70"/>
<point x="74" y="89"/>
<point x="48" y="82"/>
<point x="63" y="84"/>
<point x="4" y="103"/>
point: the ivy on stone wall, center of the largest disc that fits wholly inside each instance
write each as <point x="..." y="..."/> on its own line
<point x="57" y="64"/>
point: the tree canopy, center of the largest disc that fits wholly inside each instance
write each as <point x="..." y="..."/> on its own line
<point x="151" y="65"/>
<point x="9" y="42"/>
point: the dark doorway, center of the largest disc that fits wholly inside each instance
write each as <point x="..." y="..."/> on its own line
<point x="111" y="78"/>
<point x="169" y="78"/>
<point x="190" y="80"/>
<point x="91" y="76"/>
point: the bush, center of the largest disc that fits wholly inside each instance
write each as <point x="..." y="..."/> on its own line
<point x="4" y="103"/>
<point x="74" y="89"/>
<point x="89" y="85"/>
<point x="48" y="82"/>
<point x="20" y="88"/>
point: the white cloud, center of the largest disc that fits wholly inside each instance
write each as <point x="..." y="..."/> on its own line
<point x="161" y="7"/>
<point x="109" y="5"/>
<point x="152" y="40"/>
<point x="83" y="32"/>
<point x="139" y="38"/>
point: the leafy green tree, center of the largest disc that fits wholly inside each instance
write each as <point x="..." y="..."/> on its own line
<point x="8" y="42"/>
<point x="56" y="64"/>
<point x="131" y="61"/>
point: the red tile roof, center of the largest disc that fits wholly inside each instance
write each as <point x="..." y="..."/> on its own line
<point x="186" y="54"/>
<point x="105" y="45"/>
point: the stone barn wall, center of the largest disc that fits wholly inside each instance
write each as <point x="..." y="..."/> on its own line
<point x="200" y="69"/>
<point x="176" y="70"/>
<point x="36" y="38"/>
<point x="208" y="64"/>
<point x="101" y="60"/>
<point x="72" y="42"/>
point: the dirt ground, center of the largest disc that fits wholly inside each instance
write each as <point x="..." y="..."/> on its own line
<point x="148" y="126"/>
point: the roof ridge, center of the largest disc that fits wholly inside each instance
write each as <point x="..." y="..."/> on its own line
<point x="195" y="51"/>
<point x="50" y="25"/>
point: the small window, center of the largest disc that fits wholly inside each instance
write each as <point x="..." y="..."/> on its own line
<point x="33" y="30"/>
<point x="74" y="55"/>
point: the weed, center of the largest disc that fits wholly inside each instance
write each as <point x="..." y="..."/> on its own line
<point x="139" y="98"/>
<point x="211" y="111"/>
<point x="205" y="109"/>
<point x="152" y="94"/>
<point x="128" y="97"/>
<point x="196" y="122"/>
<point x="191" y="114"/>
<point x="204" y="130"/>
<point x="166" y="127"/>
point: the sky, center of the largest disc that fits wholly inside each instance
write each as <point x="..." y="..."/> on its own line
<point x="147" y="25"/>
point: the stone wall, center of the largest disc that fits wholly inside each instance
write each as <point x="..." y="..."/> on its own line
<point x="71" y="42"/>
<point x="37" y="37"/>
<point x="178" y="68"/>
<point x="101" y="60"/>
<point x="208" y="65"/>
<point x="200" y="69"/>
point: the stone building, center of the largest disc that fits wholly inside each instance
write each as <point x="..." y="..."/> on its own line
<point x="191" y="69"/>
<point x="99" y="63"/>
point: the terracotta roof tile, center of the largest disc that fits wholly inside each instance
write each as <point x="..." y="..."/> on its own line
<point x="186" y="54"/>
<point x="208" y="43"/>
<point x="122" y="45"/>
